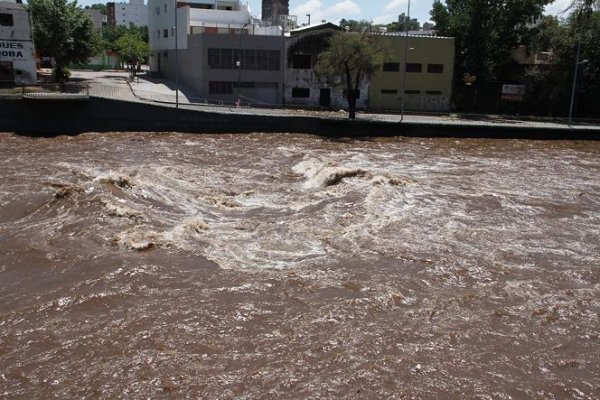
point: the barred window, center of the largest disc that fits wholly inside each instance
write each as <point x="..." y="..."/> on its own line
<point x="413" y="67"/>
<point x="391" y="67"/>
<point x="213" y="58"/>
<point x="435" y="68"/>
<point x="226" y="59"/>
<point x="388" y="91"/>
<point x="250" y="59"/>
<point x="6" y="20"/>
<point x="300" y="92"/>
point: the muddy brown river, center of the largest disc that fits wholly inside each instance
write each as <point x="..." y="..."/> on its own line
<point x="149" y="266"/>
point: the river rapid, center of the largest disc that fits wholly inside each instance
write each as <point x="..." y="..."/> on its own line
<point x="140" y="265"/>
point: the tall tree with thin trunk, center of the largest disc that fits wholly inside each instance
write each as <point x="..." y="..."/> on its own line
<point x="350" y="59"/>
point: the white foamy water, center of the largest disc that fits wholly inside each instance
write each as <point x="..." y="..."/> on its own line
<point x="250" y="266"/>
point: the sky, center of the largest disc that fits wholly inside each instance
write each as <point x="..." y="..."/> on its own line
<point x="378" y="11"/>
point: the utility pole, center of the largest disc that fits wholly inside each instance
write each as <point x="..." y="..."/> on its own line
<point x="405" y="62"/>
<point x="577" y="64"/>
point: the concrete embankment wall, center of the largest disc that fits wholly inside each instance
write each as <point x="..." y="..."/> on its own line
<point x="46" y="118"/>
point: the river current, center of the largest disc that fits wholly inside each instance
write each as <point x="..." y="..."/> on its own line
<point x="139" y="265"/>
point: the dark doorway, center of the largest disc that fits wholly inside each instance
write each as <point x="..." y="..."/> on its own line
<point x="6" y="73"/>
<point x="325" y="97"/>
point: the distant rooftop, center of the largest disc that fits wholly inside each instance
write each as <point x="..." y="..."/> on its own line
<point x="315" y="27"/>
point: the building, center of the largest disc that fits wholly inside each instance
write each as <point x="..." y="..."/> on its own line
<point x="135" y="12"/>
<point x="17" y="54"/>
<point x="220" y="50"/>
<point x="417" y="74"/>
<point x="302" y="85"/>
<point x="275" y="12"/>
<point x="97" y="18"/>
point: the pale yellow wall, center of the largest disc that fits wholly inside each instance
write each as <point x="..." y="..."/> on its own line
<point x="423" y="50"/>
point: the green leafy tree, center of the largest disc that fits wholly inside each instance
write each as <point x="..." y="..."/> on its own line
<point x="485" y="31"/>
<point x="63" y="31"/>
<point x="132" y="50"/>
<point x="356" y="26"/>
<point x="349" y="59"/>
<point x="404" y="23"/>
<point x="110" y="35"/>
<point x="584" y="8"/>
<point x="549" y="87"/>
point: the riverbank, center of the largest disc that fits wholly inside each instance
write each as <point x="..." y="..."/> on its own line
<point x="143" y="105"/>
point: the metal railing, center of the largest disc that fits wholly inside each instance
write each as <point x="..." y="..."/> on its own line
<point x="69" y="90"/>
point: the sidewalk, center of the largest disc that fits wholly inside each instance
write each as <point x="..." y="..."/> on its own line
<point x="115" y="85"/>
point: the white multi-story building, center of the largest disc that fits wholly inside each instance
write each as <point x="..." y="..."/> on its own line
<point x="17" y="54"/>
<point x="135" y="12"/>
<point x="221" y="51"/>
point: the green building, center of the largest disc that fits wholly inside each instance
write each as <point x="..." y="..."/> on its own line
<point x="418" y="68"/>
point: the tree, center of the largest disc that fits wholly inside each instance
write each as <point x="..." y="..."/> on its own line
<point x="349" y="59"/>
<point x="549" y="88"/>
<point x="132" y="50"/>
<point x="404" y="23"/>
<point x="356" y="26"/>
<point x="485" y="31"/>
<point x="63" y="31"/>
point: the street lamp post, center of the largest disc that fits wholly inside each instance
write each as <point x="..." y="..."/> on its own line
<point x="238" y="64"/>
<point x="176" y="60"/>
<point x="308" y="15"/>
<point x="406" y="49"/>
<point x="577" y="64"/>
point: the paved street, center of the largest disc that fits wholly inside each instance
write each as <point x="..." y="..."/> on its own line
<point x="115" y="85"/>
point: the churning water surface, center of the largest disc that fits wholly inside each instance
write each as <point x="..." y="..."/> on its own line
<point x="137" y="265"/>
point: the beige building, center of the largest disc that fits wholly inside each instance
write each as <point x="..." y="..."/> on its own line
<point x="417" y="70"/>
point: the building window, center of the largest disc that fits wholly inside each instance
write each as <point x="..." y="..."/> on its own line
<point x="262" y="59"/>
<point x="157" y="10"/>
<point x="412" y="92"/>
<point x="389" y="91"/>
<point x="391" y="67"/>
<point x="220" y="87"/>
<point x="6" y="20"/>
<point x="250" y="59"/>
<point x="435" y="92"/>
<point x="300" y="92"/>
<point x="301" y="61"/>
<point x="412" y="67"/>
<point x="165" y="33"/>
<point x="244" y="85"/>
<point x="165" y="9"/>
<point x="435" y="68"/>
<point x="273" y="64"/>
